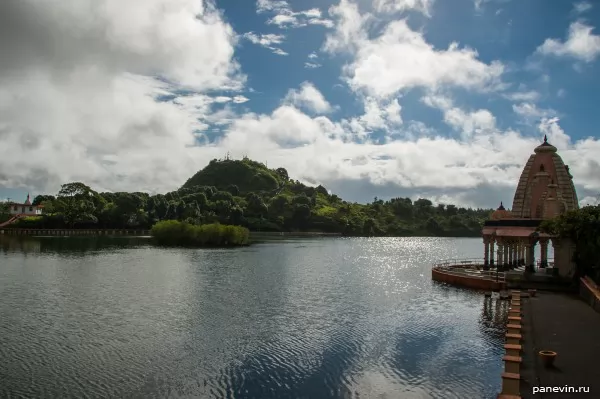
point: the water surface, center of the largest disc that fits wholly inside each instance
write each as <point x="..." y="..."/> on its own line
<point x="298" y="318"/>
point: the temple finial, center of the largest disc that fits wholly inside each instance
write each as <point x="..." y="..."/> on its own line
<point x="545" y="139"/>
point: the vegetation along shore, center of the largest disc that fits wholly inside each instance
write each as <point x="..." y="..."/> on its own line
<point x="247" y="193"/>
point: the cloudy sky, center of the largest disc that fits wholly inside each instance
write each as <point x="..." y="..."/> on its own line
<point x="443" y="99"/>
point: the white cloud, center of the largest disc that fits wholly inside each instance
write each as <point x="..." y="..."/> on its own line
<point x="311" y="65"/>
<point x="530" y="111"/>
<point x="313" y="56"/>
<point x="589" y="200"/>
<point x="467" y="123"/>
<point x="581" y="7"/>
<point x="380" y="116"/>
<point x="318" y="150"/>
<point x="530" y="95"/>
<point x="240" y="99"/>
<point x="308" y="97"/>
<point x="267" y="41"/>
<point x="423" y="6"/>
<point x="82" y="74"/>
<point x="401" y="59"/>
<point x="285" y="17"/>
<point x="581" y="44"/>
<point x="556" y="135"/>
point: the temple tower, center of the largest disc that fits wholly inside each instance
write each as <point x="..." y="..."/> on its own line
<point x="546" y="187"/>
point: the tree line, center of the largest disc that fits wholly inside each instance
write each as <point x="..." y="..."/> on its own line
<point x="247" y="193"/>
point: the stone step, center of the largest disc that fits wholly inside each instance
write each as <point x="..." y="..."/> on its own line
<point x="512" y="364"/>
<point x="511" y="383"/>
<point x="513" y="339"/>
<point x="512" y="349"/>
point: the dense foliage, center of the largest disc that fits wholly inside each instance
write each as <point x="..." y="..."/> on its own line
<point x="583" y="227"/>
<point x="247" y="193"/>
<point x="175" y="233"/>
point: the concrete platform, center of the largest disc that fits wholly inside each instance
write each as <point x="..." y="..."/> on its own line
<point x="567" y="325"/>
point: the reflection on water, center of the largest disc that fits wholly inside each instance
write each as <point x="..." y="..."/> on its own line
<point x="297" y="318"/>
<point x="68" y="245"/>
<point x="493" y="319"/>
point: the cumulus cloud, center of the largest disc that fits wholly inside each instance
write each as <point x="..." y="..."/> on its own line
<point x="423" y="6"/>
<point x="581" y="44"/>
<point x="581" y="7"/>
<point x="530" y="111"/>
<point x="530" y="95"/>
<point x="310" y="98"/>
<point x="285" y="17"/>
<point x="467" y="123"/>
<point x="400" y="58"/>
<point x="79" y="83"/>
<point x="267" y="40"/>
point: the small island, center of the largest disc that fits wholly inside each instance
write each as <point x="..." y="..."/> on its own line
<point x="242" y="193"/>
<point x="175" y="233"/>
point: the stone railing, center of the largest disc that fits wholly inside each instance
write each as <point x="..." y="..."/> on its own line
<point x="588" y="290"/>
<point x="458" y="263"/>
<point x="468" y="267"/>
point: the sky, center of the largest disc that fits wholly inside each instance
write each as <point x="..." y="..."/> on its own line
<point x="440" y="99"/>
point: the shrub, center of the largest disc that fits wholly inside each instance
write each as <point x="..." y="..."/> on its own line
<point x="175" y="233"/>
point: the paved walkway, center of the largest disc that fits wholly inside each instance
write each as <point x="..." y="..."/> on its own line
<point x="567" y="325"/>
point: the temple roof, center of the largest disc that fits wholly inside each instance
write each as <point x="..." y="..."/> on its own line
<point x="545" y="178"/>
<point x="545" y="147"/>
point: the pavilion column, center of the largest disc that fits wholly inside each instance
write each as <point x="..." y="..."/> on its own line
<point x="499" y="259"/>
<point x="505" y="259"/>
<point x="543" y="252"/>
<point x="486" y="251"/>
<point x="513" y="261"/>
<point x="522" y="254"/>
<point x="529" y="256"/>
<point x="491" y="247"/>
<point x="510" y="254"/>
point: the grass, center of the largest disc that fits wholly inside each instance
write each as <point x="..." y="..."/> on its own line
<point x="182" y="234"/>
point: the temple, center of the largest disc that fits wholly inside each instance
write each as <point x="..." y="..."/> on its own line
<point x="545" y="190"/>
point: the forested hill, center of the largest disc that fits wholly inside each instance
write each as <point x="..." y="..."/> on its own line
<point x="245" y="192"/>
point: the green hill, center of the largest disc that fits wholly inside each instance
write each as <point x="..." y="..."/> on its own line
<point x="246" y="174"/>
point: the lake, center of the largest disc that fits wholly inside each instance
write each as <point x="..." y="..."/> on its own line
<point x="104" y="317"/>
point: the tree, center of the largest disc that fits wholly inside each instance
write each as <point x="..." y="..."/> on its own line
<point x="283" y="173"/>
<point x="74" y="189"/>
<point x="582" y="226"/>
<point x="42" y="198"/>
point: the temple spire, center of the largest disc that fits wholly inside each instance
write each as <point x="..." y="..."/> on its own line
<point x="545" y="139"/>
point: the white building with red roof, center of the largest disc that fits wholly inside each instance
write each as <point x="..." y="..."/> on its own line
<point x="25" y="208"/>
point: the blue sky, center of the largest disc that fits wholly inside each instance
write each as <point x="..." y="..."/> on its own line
<point x="418" y="98"/>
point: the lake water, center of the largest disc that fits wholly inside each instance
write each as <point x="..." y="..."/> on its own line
<point x="293" y="318"/>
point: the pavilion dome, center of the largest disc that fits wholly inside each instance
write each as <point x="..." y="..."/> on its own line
<point x="545" y="188"/>
<point x="501" y="213"/>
